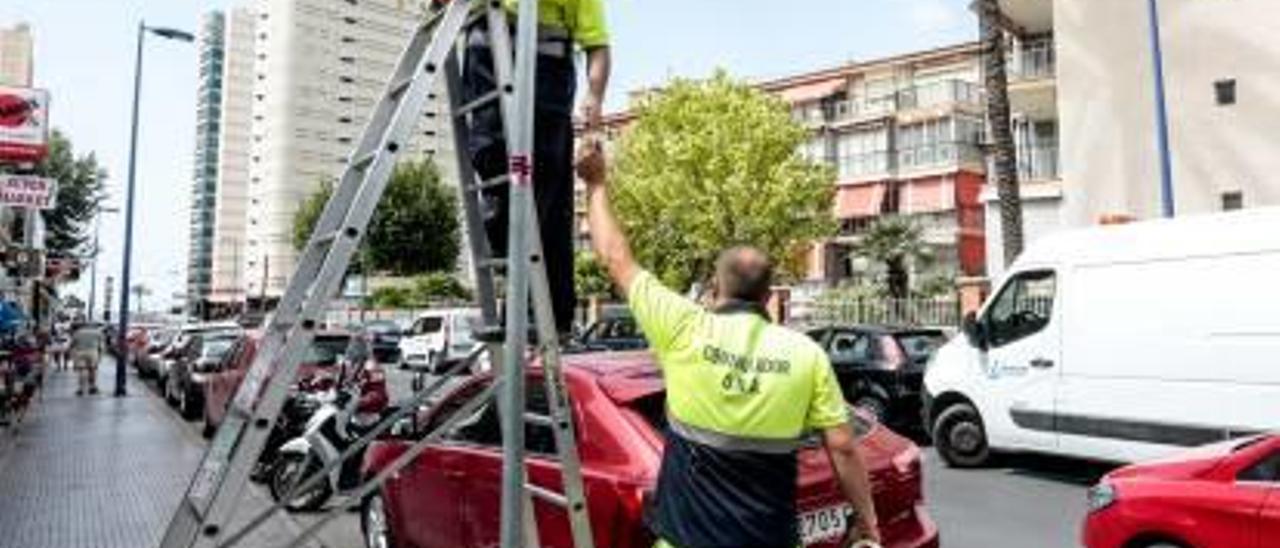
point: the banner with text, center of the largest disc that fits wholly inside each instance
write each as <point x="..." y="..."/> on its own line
<point x="28" y="191"/>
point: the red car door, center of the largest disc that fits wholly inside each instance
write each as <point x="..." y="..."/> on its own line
<point x="1267" y="474"/>
<point x="418" y="495"/>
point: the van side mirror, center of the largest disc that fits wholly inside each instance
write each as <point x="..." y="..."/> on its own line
<point x="974" y="331"/>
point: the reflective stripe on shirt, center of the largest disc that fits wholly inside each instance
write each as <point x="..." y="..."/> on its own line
<point x="728" y="442"/>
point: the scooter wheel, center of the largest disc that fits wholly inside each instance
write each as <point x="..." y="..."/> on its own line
<point x="290" y="471"/>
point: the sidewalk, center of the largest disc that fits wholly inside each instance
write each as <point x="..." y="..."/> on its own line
<point x="102" y="472"/>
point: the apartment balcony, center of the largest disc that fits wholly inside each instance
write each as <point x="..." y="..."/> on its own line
<point x="1032" y="78"/>
<point x="934" y="95"/>
<point x="1038" y="163"/>
<point x="1028" y="16"/>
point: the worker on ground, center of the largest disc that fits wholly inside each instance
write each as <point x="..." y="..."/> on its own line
<point x="741" y="394"/>
<point x="562" y="25"/>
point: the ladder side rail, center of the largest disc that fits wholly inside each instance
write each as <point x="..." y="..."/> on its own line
<point x="418" y="401"/>
<point x="520" y="135"/>
<point x="558" y="400"/>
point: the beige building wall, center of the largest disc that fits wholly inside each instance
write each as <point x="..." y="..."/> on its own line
<point x="17" y="56"/>
<point x="231" y="212"/>
<point x="321" y="66"/>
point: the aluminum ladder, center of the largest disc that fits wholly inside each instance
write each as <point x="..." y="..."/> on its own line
<point x="205" y="514"/>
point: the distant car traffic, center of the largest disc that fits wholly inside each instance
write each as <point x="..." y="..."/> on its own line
<point x="881" y="369"/>
<point x="439" y="338"/>
<point x="384" y="337"/>
<point x="180" y="339"/>
<point x="620" y="418"/>
<point x="1223" y="495"/>
<point x="202" y="355"/>
<point x="612" y="334"/>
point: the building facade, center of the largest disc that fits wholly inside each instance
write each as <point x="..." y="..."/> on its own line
<point x="903" y="135"/>
<point x="1082" y="85"/>
<point x="320" y="66"/>
<point x="230" y="215"/>
<point x="17" y="56"/>
<point x="210" y="40"/>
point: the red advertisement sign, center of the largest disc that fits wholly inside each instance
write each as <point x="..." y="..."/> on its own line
<point x="24" y="124"/>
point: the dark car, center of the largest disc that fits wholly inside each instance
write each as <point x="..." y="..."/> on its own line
<point x="201" y="356"/>
<point x="612" y="334"/>
<point x="384" y="336"/>
<point x="881" y="369"/>
<point x="619" y="414"/>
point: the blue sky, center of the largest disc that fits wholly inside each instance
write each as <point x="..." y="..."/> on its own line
<point x="84" y="56"/>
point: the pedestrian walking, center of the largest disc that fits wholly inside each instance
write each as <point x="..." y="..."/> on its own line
<point x="562" y="25"/>
<point x="741" y="394"/>
<point x="87" y="344"/>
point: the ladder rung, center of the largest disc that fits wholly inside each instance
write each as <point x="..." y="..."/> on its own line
<point x="493" y="262"/>
<point x="481" y="101"/>
<point x="364" y="161"/>
<point x="490" y="334"/>
<point x="538" y="419"/>
<point x="489" y="183"/>
<point x="547" y="495"/>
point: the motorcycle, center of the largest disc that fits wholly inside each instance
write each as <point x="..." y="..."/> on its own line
<point x="298" y="410"/>
<point x="334" y="426"/>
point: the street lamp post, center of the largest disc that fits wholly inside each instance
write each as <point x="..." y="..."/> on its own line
<point x="123" y="333"/>
<point x="93" y="266"/>
<point x="1162" y="116"/>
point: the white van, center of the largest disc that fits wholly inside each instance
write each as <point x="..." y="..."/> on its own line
<point x="1119" y="343"/>
<point x="439" y="338"/>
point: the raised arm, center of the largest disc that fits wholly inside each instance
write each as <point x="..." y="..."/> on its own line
<point x="842" y="448"/>
<point x="607" y="239"/>
<point x="599" y="65"/>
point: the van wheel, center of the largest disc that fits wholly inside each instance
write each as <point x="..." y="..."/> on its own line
<point x="960" y="438"/>
<point x="873" y="406"/>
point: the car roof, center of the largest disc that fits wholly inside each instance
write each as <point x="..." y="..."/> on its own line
<point x="623" y="376"/>
<point x="880" y="329"/>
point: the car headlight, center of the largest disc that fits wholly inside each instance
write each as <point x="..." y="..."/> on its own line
<point x="1101" y="496"/>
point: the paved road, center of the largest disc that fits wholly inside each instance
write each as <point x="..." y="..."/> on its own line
<point x="1025" y="502"/>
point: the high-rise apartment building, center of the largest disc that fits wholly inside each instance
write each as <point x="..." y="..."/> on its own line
<point x="231" y="205"/>
<point x="17" y="56"/>
<point x="903" y="135"/>
<point x="204" y="187"/>
<point x="320" y="66"/>
<point x="1083" y="100"/>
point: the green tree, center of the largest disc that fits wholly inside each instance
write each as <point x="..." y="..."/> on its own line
<point x="79" y="193"/>
<point x="437" y="286"/>
<point x="590" y="277"/>
<point x="414" y="230"/>
<point x="391" y="297"/>
<point x="896" y="245"/>
<point x="713" y="163"/>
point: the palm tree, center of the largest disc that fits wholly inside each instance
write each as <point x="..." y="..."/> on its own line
<point x="1002" y="148"/>
<point x="898" y="245"/>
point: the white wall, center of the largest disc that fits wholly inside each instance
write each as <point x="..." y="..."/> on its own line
<point x="1107" y="112"/>
<point x="231" y="213"/>
<point x="1041" y="216"/>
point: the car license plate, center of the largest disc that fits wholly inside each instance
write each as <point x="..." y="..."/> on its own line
<point x="825" y="524"/>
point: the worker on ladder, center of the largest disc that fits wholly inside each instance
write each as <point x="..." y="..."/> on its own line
<point x="562" y="24"/>
<point x="741" y="394"/>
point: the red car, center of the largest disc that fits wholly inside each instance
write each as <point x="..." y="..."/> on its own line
<point x="316" y="372"/>
<point x="1225" y="495"/>
<point x="448" y="497"/>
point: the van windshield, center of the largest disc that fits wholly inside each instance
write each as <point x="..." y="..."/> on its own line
<point x="429" y="325"/>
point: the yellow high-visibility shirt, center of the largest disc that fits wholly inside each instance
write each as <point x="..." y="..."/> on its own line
<point x="584" y="19"/>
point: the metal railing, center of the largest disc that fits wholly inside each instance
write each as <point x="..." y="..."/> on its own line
<point x="864" y="163"/>
<point x="1033" y="60"/>
<point x="1038" y="163"/>
<point x="937" y="154"/>
<point x="943" y="311"/>
<point x="921" y="96"/>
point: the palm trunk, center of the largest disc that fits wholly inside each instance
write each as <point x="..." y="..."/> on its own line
<point x="1002" y="149"/>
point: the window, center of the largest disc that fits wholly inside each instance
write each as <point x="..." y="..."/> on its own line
<point x="1267" y="470"/>
<point x="484" y="426"/>
<point x="1225" y="91"/>
<point x="1022" y="309"/>
<point x="1232" y="201"/>
<point x="848" y="346"/>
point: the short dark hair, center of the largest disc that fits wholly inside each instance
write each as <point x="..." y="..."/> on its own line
<point x="743" y="273"/>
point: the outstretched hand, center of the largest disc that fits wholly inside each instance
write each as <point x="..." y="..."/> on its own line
<point x="590" y="164"/>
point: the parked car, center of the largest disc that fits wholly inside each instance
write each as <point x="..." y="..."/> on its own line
<point x="148" y="363"/>
<point x="881" y="369"/>
<point x="317" y="371"/>
<point x="180" y="340"/>
<point x="620" y="417"/>
<point x="203" y="355"/>
<point x="1118" y="343"/>
<point x="439" y="338"/>
<point x="1222" y="495"/>
<point x="384" y="336"/>
<point x="612" y="334"/>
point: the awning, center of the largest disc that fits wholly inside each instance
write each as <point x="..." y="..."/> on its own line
<point x="805" y="93"/>
<point x="928" y="195"/>
<point x="859" y="200"/>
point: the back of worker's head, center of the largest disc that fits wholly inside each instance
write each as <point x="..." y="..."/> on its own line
<point x="743" y="273"/>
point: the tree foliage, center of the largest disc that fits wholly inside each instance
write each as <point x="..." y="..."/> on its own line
<point x="414" y="230"/>
<point x="590" y="277"/>
<point x="713" y="163"/>
<point x="422" y="291"/>
<point x="80" y="181"/>
<point x="896" y="246"/>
